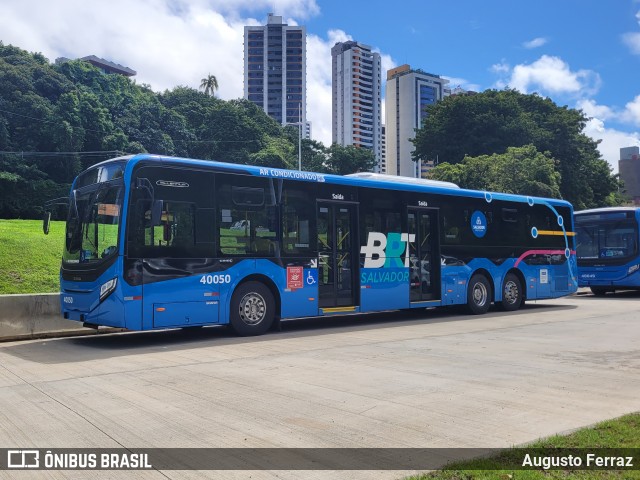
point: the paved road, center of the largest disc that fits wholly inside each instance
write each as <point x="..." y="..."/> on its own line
<point x="405" y="379"/>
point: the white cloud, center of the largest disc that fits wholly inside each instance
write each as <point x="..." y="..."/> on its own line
<point x="535" y="43"/>
<point x="501" y="68"/>
<point x="611" y="140"/>
<point x="552" y="75"/>
<point x="631" y="113"/>
<point x="632" y="39"/>
<point x="172" y="42"/>
<point x="301" y="9"/>
<point x="593" y="110"/>
<point x="455" y="82"/>
<point x="166" y="46"/>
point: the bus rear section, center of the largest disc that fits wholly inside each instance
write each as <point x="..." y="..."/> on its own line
<point x="607" y="249"/>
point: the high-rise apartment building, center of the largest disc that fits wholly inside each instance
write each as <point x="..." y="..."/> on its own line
<point x="275" y="66"/>
<point x="407" y="94"/>
<point x="629" y="168"/>
<point x="383" y="150"/>
<point x="356" y="97"/>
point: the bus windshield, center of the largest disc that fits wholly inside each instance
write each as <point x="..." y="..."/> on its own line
<point x="606" y="241"/>
<point x="93" y="223"/>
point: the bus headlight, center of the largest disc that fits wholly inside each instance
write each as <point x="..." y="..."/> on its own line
<point x="107" y="288"/>
<point x="633" y="268"/>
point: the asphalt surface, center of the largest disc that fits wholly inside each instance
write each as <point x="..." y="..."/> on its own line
<point x="429" y="379"/>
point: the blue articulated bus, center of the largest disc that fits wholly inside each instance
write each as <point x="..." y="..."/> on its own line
<point x="607" y="249"/>
<point x="156" y="242"/>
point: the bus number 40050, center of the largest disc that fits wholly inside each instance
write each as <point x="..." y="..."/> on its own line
<point x="215" y="279"/>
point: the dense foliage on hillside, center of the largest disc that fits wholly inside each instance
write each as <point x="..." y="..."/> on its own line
<point x="491" y="122"/>
<point x="56" y="120"/>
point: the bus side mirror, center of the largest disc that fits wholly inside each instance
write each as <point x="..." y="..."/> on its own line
<point x="156" y="212"/>
<point x="46" y="222"/>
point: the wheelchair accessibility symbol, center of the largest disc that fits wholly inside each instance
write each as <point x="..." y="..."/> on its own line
<point x="312" y="277"/>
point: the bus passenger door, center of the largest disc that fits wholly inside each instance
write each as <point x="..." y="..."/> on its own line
<point x="337" y="258"/>
<point x="424" y="254"/>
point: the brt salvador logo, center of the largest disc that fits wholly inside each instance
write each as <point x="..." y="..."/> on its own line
<point x="386" y="250"/>
<point x="478" y="224"/>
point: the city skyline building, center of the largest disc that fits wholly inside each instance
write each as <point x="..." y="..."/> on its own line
<point x="356" y="101"/>
<point x="275" y="70"/>
<point x="408" y="92"/>
<point x="383" y="149"/>
<point x="629" y="169"/>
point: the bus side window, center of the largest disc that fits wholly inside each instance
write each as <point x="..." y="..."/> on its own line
<point x="297" y="212"/>
<point x="247" y="223"/>
<point x="509" y="215"/>
<point x="452" y="225"/>
<point x="451" y="233"/>
<point x="175" y="233"/>
<point x="171" y="214"/>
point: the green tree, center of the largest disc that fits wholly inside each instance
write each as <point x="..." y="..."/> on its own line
<point x="520" y="170"/>
<point x="190" y="104"/>
<point x="24" y="188"/>
<point x="278" y="152"/>
<point x="314" y="156"/>
<point x="492" y="121"/>
<point x="344" y="160"/>
<point x="232" y="131"/>
<point x="209" y="84"/>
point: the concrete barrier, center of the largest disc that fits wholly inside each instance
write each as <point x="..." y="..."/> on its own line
<point x="35" y="316"/>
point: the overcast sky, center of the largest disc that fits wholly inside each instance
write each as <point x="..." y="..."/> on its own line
<point x="580" y="53"/>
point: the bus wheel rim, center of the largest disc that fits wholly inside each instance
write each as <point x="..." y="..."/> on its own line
<point x="510" y="292"/>
<point x="480" y="294"/>
<point x="253" y="308"/>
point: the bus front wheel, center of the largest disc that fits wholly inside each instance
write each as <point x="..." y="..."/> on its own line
<point x="478" y="295"/>
<point x="252" y="309"/>
<point x="511" y="293"/>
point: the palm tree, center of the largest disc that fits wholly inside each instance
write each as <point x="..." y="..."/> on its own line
<point x="209" y="84"/>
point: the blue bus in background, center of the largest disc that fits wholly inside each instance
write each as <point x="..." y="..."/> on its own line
<point x="607" y="249"/>
<point x="157" y="242"/>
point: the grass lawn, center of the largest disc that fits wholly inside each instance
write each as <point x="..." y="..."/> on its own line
<point x="29" y="259"/>
<point x="620" y="433"/>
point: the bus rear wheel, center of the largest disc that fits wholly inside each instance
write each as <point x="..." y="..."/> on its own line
<point x="252" y="309"/>
<point x="511" y="293"/>
<point x="600" y="291"/>
<point x="478" y="295"/>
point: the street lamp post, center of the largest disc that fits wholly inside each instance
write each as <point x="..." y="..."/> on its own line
<point x="300" y="137"/>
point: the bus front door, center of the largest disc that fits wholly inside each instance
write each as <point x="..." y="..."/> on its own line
<point x="337" y="259"/>
<point x="424" y="255"/>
